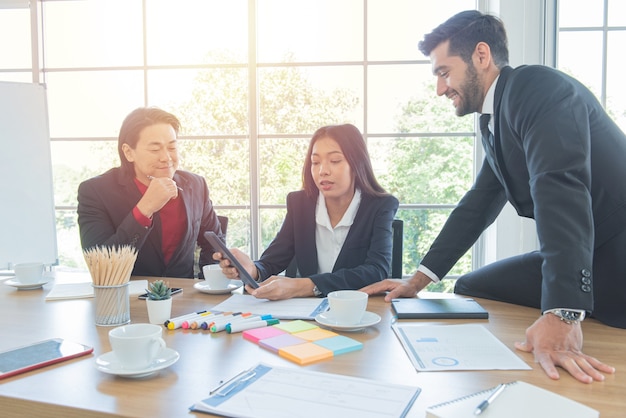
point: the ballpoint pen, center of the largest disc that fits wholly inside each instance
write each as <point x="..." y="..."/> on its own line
<point x="485" y="404"/>
<point x="226" y="387"/>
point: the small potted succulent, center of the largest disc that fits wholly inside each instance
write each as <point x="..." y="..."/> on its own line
<point x="159" y="302"/>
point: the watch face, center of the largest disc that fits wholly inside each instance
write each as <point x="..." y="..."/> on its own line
<point x="570" y="315"/>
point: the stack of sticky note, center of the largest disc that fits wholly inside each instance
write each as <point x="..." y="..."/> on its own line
<point x="301" y="342"/>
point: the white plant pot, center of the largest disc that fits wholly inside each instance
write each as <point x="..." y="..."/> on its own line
<point x="159" y="311"/>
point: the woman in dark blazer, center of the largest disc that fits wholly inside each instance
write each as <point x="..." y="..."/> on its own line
<point x="338" y="227"/>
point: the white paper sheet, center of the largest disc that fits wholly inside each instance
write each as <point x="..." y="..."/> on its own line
<point x="456" y="347"/>
<point x="295" y="308"/>
<point x="272" y="392"/>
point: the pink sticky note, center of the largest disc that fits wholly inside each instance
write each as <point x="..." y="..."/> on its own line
<point x="257" y="334"/>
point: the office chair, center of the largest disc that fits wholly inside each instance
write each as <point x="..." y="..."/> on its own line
<point x="396" y="250"/>
<point x="223" y="224"/>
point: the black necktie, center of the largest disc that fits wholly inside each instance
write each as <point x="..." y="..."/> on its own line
<point x="484" y="129"/>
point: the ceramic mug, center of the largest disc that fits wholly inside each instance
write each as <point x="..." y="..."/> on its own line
<point x="214" y="277"/>
<point x="347" y="307"/>
<point x="136" y="346"/>
<point x="28" y="273"/>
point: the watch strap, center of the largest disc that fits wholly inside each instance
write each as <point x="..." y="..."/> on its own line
<point x="569" y="316"/>
<point x="316" y="291"/>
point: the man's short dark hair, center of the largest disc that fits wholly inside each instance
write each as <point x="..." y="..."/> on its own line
<point x="466" y="29"/>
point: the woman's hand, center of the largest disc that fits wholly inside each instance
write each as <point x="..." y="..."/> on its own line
<point x="279" y="287"/>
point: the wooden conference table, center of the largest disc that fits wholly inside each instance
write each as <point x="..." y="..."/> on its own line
<point x="77" y="389"/>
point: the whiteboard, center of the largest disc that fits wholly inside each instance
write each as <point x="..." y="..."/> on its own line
<point x="27" y="218"/>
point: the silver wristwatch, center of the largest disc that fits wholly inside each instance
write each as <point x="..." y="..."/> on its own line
<point x="316" y="291"/>
<point x="569" y="316"/>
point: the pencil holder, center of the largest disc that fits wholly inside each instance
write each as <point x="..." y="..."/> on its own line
<point x="112" y="304"/>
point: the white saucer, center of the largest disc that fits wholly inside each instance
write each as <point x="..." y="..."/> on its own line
<point x="205" y="288"/>
<point x="28" y="286"/>
<point x="369" y="319"/>
<point x="108" y="363"/>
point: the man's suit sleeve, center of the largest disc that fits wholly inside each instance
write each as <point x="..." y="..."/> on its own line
<point x="551" y="116"/>
<point x="95" y="218"/>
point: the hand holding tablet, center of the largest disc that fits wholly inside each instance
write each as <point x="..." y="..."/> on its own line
<point x="218" y="245"/>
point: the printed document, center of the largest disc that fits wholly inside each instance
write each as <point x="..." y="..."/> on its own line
<point x="456" y="347"/>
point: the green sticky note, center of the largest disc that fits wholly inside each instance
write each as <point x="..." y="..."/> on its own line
<point x="295" y="326"/>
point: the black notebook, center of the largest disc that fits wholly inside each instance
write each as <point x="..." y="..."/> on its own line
<point x="414" y="308"/>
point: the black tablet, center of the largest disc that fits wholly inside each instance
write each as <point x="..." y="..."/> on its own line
<point x="218" y="245"/>
<point x="416" y="308"/>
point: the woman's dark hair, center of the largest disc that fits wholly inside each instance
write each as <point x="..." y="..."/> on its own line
<point x="354" y="149"/>
<point x="466" y="29"/>
<point x="132" y="126"/>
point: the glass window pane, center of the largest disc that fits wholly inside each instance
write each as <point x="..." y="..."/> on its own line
<point x="616" y="83"/>
<point x="15" y="25"/>
<point x="207" y="101"/>
<point x="617" y="12"/>
<point x="76" y="161"/>
<point x="84" y="104"/>
<point x="395" y="27"/>
<point x="224" y="163"/>
<point x="271" y="221"/>
<point x="402" y="98"/>
<point x="196" y="31"/>
<point x="586" y="68"/>
<point x="320" y="30"/>
<point x="301" y="99"/>
<point x="92" y="33"/>
<point x="424" y="170"/>
<point x="238" y="232"/>
<point x="281" y="161"/>
<point x="68" y="241"/>
<point x="421" y="227"/>
<point x="581" y="13"/>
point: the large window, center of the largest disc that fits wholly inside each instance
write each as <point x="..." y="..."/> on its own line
<point x="591" y="38"/>
<point x="251" y="80"/>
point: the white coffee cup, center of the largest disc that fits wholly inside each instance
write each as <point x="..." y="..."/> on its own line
<point x="136" y="345"/>
<point x="347" y="307"/>
<point x="214" y="277"/>
<point x="28" y="273"/>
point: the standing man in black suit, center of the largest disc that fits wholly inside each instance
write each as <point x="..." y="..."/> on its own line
<point x="557" y="157"/>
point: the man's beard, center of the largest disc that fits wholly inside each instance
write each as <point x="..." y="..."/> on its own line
<point x="471" y="91"/>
